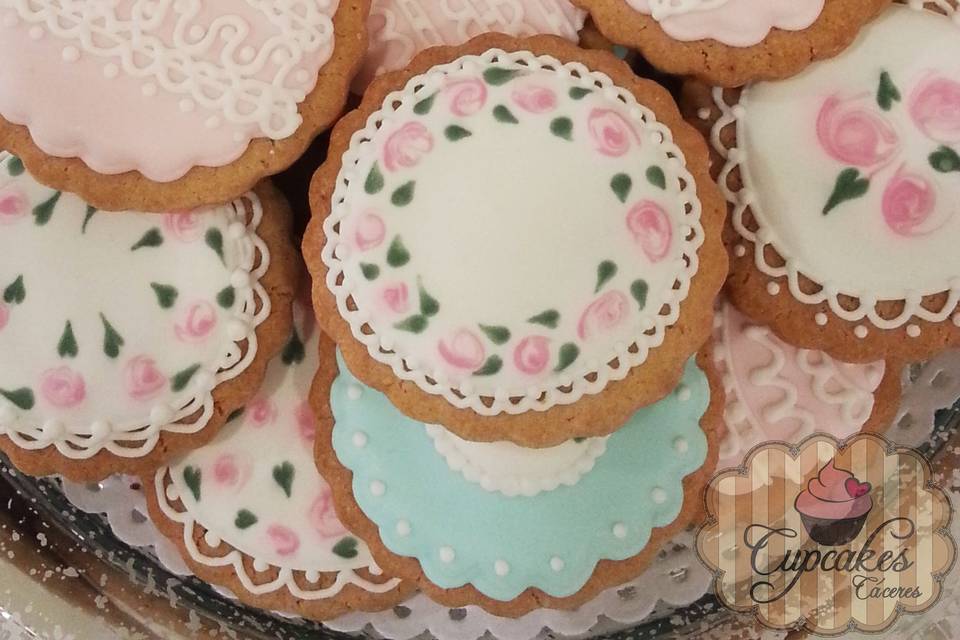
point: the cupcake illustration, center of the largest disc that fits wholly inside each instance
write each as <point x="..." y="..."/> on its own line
<point x="834" y="506"/>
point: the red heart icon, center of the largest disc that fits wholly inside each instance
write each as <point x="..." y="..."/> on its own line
<point x="855" y="488"/>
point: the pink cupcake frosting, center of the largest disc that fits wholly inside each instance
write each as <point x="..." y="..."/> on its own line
<point x="835" y="494"/>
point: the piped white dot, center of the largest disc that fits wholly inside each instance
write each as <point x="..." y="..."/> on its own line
<point x="680" y="445"/>
<point x="447" y="555"/>
<point x="820" y="318"/>
<point x="212" y="539"/>
<point x="403" y="528"/>
<point x="773" y="288"/>
<point x="703" y="113"/>
<point x="556" y="563"/>
<point x="172" y="494"/>
<point x="212" y="122"/>
<point x="377" y="488"/>
<point x="739" y="251"/>
<point x="110" y="71"/>
<point x="620" y="530"/>
<point x="312" y="576"/>
<point x="359" y="439"/>
<point x="860" y="331"/>
<point x="99" y="430"/>
<point x="913" y="331"/>
<point x="247" y="54"/>
<point x="70" y="54"/>
<point x="240" y="279"/>
<point x="260" y="565"/>
<point x="53" y="429"/>
<point x="658" y="495"/>
<point x="501" y="568"/>
<point x="684" y="393"/>
<point x="161" y="415"/>
<point x="354" y="392"/>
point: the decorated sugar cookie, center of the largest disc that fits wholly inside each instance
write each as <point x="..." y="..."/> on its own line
<point x="158" y="106"/>
<point x="510" y="528"/>
<point x="516" y="246"/>
<point x="778" y="392"/>
<point x="400" y="29"/>
<point x="127" y="338"/>
<point x="730" y="42"/>
<point x="250" y="512"/>
<point x="843" y="186"/>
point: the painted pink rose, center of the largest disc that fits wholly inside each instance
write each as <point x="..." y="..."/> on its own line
<point x="854" y="134"/>
<point x="935" y="108"/>
<point x="369" y="231"/>
<point x="13" y="205"/>
<point x="463" y="350"/>
<point x="604" y="314"/>
<point x="231" y="471"/>
<point x="406" y="145"/>
<point x="261" y="412"/>
<point x="63" y="387"/>
<point x="185" y="226"/>
<point x="909" y="205"/>
<point x="324" y="518"/>
<point x="197" y="323"/>
<point x="4" y="315"/>
<point x="532" y="354"/>
<point x="396" y="297"/>
<point x="466" y="96"/>
<point x="306" y="423"/>
<point x="284" y="540"/>
<point x="651" y="229"/>
<point x="611" y="132"/>
<point x="142" y="379"/>
<point x="535" y="99"/>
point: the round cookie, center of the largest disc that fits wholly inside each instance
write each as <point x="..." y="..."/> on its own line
<point x="522" y="245"/>
<point x="172" y="105"/>
<point x="249" y="511"/>
<point x="731" y="42"/>
<point x="400" y="29"/>
<point x="504" y="527"/>
<point x="125" y="339"/>
<point x="842" y="185"/>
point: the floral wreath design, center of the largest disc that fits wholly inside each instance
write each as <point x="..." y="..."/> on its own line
<point x="469" y="348"/>
<point x="869" y="148"/>
<point x="64" y="387"/>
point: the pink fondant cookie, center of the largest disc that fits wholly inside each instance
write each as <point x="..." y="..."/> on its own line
<point x="730" y="42"/>
<point x="842" y="185"/>
<point x="400" y="29"/>
<point x="521" y="242"/>
<point x="172" y="105"/>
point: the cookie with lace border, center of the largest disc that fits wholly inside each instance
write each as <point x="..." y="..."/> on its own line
<point x="210" y="185"/>
<point x="605" y="411"/>
<point x="768" y="300"/>
<point x="606" y="574"/>
<point x="779" y="55"/>
<point x="280" y="283"/>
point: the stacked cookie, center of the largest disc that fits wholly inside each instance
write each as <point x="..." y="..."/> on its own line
<point x="516" y="370"/>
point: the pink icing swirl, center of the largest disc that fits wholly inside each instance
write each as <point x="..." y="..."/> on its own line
<point x="306" y="423"/>
<point x="13" y="205"/>
<point x="184" y="226"/>
<point x="324" y="518"/>
<point x="197" y="323"/>
<point x="855" y="135"/>
<point x="232" y="471"/>
<point x="396" y="297"/>
<point x="535" y="99"/>
<point x="463" y="350"/>
<point x="406" y="146"/>
<point x="142" y="379"/>
<point x="910" y="205"/>
<point x="603" y="315"/>
<point x="935" y="108"/>
<point x="651" y="229"/>
<point x="63" y="387"/>
<point x="4" y="315"/>
<point x="285" y="541"/>
<point x="532" y="354"/>
<point x="612" y="135"/>
<point x="369" y="231"/>
<point x="262" y="412"/>
<point x="466" y="96"/>
<point x="835" y="494"/>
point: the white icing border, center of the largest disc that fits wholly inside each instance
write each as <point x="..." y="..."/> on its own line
<point x="120" y="440"/>
<point x="286" y="577"/>
<point x="867" y="307"/>
<point x="577" y="74"/>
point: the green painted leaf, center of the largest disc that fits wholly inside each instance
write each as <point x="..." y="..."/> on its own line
<point x="548" y="318"/>
<point x="15" y="166"/>
<point x="491" y="367"/>
<point x="67" y="347"/>
<point x="21" y="398"/>
<point x="850" y="186"/>
<point x="568" y="354"/>
<point x="887" y="92"/>
<point x="578" y="93"/>
<point x="182" y="379"/>
<point x="413" y="324"/>
<point x="192" y="476"/>
<point x="112" y="341"/>
<point x="497" y="76"/>
<point x="497" y="335"/>
<point x="44" y="211"/>
<point x="639" y="290"/>
<point x="606" y="270"/>
<point x="562" y="128"/>
<point x="503" y="114"/>
<point x="404" y="194"/>
<point x="423" y="107"/>
<point x="283" y="476"/>
<point x="152" y="238"/>
<point x="397" y="254"/>
<point x="621" y="185"/>
<point x="226" y="297"/>
<point x="166" y="294"/>
<point x="245" y="519"/>
<point x="656" y="177"/>
<point x="15" y="293"/>
<point x="214" y="240"/>
<point x="945" y="160"/>
<point x="374" y="183"/>
<point x="428" y="304"/>
<point x="455" y="133"/>
<point x="369" y="271"/>
<point x="294" y="351"/>
<point x="346" y="548"/>
<point x="86" y="219"/>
